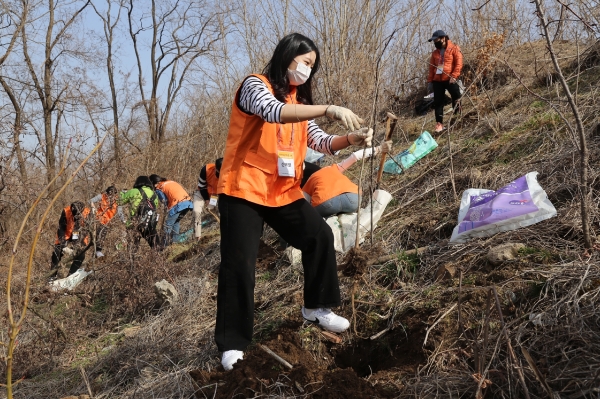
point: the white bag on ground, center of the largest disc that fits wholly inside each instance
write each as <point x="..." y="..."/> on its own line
<point x="483" y="213"/>
<point x="344" y="225"/>
<point x="68" y="283"/>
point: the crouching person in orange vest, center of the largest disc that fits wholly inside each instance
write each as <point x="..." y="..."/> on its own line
<point x="330" y="192"/>
<point x="207" y="191"/>
<point x="178" y="205"/>
<point x="71" y="230"/>
<point x="105" y="210"/>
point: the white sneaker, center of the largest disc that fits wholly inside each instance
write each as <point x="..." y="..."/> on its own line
<point x="229" y="358"/>
<point x="99" y="254"/>
<point x="326" y="319"/>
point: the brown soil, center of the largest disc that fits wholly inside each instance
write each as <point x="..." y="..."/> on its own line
<point x="267" y="257"/>
<point x="259" y="374"/>
<point x="355" y="263"/>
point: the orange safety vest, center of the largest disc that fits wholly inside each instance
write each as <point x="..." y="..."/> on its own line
<point x="71" y="224"/>
<point x="326" y="183"/>
<point x="249" y="168"/>
<point x="105" y="211"/>
<point x="174" y="192"/>
<point x="453" y="63"/>
<point x="212" y="181"/>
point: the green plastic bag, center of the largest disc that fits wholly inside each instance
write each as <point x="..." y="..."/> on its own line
<point x="407" y="158"/>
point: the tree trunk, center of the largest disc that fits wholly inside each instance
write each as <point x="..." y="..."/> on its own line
<point x="583" y="153"/>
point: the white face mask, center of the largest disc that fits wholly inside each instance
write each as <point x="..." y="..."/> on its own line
<point x="300" y="75"/>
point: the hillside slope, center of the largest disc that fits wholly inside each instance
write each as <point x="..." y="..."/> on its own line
<point x="441" y="321"/>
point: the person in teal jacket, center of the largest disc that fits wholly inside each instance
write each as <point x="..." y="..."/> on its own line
<point x="143" y="210"/>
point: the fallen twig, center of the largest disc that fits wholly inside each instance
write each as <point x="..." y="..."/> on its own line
<point x="436" y="323"/>
<point x="380" y="333"/>
<point x="276" y="356"/>
<point x="336" y="339"/>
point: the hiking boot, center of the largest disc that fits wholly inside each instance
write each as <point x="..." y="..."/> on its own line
<point x="229" y="358"/>
<point x="99" y="254"/>
<point x="439" y="128"/>
<point x="326" y="319"/>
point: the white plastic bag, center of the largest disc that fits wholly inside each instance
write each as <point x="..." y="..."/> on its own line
<point x="483" y="213"/>
<point x="70" y="282"/>
<point x="344" y="225"/>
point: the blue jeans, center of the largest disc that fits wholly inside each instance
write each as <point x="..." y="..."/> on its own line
<point x="343" y="203"/>
<point x="173" y="218"/>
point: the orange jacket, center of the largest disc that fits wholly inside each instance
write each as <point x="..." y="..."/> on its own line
<point x="326" y="183"/>
<point x="174" y="192"/>
<point x="67" y="225"/>
<point x="106" y="211"/>
<point x="212" y="181"/>
<point x="249" y="168"/>
<point x="453" y="63"/>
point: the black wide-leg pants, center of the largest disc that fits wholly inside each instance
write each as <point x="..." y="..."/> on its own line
<point x="241" y="227"/>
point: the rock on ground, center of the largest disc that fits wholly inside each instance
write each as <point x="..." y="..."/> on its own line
<point x="165" y="292"/>
<point x="504" y="252"/>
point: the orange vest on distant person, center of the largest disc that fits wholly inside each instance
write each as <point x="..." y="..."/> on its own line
<point x="105" y="211"/>
<point x="71" y="224"/>
<point x="326" y="183"/>
<point x="249" y="168"/>
<point x="212" y="181"/>
<point x="174" y="192"/>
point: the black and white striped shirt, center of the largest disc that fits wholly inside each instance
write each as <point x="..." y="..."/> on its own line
<point x="256" y="99"/>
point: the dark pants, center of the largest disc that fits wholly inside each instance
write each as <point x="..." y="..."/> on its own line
<point x="241" y="225"/>
<point x="150" y="236"/>
<point x="77" y="260"/>
<point x="439" y="97"/>
<point x="101" y="231"/>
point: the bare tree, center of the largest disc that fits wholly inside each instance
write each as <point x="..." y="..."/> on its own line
<point x="13" y="16"/>
<point x="44" y="83"/>
<point x="583" y="149"/>
<point x="180" y="32"/>
<point x="109" y="25"/>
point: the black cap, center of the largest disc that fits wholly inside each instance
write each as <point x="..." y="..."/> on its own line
<point x="437" y="34"/>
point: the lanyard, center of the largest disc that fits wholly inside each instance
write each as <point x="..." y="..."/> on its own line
<point x="279" y="134"/>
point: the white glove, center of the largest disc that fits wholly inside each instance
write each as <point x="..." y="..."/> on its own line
<point x="67" y="251"/>
<point x="386" y="146"/>
<point x="361" y="137"/>
<point x="348" y="118"/>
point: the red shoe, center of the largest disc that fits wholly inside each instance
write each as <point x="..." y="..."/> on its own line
<point x="439" y="128"/>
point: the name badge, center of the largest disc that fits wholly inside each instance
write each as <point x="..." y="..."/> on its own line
<point x="213" y="200"/>
<point x="440" y="69"/>
<point x="75" y="235"/>
<point x="285" y="164"/>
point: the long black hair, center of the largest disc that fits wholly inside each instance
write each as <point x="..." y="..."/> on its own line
<point x="287" y="49"/>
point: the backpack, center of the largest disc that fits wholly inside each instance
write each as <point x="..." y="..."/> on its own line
<point x="147" y="215"/>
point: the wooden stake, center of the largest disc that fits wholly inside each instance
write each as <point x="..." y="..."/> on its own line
<point x="389" y="130"/>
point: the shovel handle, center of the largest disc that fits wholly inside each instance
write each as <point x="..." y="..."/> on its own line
<point x="389" y="129"/>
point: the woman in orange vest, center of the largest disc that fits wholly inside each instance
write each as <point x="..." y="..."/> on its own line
<point x="178" y="205"/>
<point x="330" y="192"/>
<point x="445" y="66"/>
<point x="270" y="127"/>
<point x="207" y="191"/>
<point x="71" y="230"/>
<point x="106" y="209"/>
